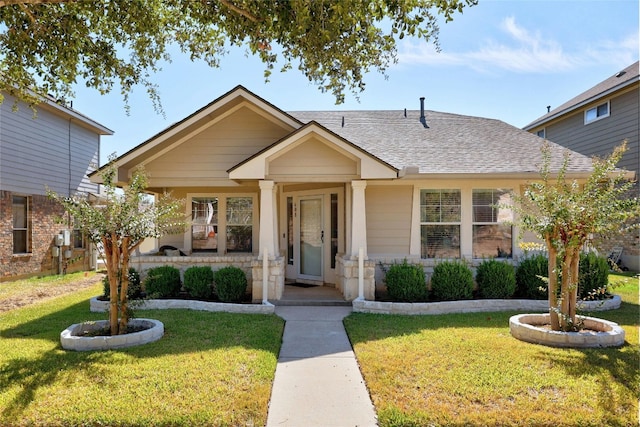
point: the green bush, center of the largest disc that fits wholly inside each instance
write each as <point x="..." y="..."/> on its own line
<point x="163" y="282"/>
<point x="198" y="281"/>
<point x="406" y="282"/>
<point x="230" y="284"/>
<point x="496" y="279"/>
<point x="452" y="280"/>
<point x="133" y="292"/>
<point x="528" y="282"/>
<point x="593" y="280"/>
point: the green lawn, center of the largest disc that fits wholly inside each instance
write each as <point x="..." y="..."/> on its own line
<point x="466" y="370"/>
<point x="211" y="369"/>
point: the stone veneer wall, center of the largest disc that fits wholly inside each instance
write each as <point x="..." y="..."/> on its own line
<point x="43" y="215"/>
<point x="275" y="280"/>
<point x="143" y="263"/>
<point x="347" y="278"/>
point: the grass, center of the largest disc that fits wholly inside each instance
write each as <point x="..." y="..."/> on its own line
<point x="210" y="369"/>
<point x="36" y="286"/>
<point x="466" y="370"/>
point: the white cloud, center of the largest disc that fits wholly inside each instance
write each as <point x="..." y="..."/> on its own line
<point x="524" y="51"/>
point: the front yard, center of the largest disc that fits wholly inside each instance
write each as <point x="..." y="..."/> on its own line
<point x="214" y="369"/>
<point x="466" y="370"/>
<point x="209" y="369"/>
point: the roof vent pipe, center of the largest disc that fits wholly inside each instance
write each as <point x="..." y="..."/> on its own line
<point x="342" y="121"/>
<point x="423" y="119"/>
<point x="405" y="113"/>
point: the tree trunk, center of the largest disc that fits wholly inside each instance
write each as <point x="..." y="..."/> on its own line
<point x="553" y="284"/>
<point x="111" y="259"/>
<point x="569" y="287"/>
<point x="124" y="287"/>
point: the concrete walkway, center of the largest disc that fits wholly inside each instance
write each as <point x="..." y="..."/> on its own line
<point x="318" y="381"/>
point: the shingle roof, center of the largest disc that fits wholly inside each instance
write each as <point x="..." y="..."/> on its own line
<point x="453" y="144"/>
<point x="617" y="81"/>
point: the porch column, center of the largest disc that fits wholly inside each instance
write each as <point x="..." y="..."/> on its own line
<point x="358" y="219"/>
<point x="268" y="225"/>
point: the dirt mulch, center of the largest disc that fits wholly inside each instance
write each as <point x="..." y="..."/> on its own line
<point x="47" y="291"/>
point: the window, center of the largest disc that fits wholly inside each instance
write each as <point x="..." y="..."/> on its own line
<point x="239" y="224"/>
<point x="77" y="236"/>
<point x="542" y="133"/>
<point x="440" y="223"/>
<point x="596" y="113"/>
<point x="222" y="224"/>
<point x="491" y="236"/>
<point x="204" y="228"/>
<point x="21" y="225"/>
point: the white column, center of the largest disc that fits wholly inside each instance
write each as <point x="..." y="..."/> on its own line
<point x="358" y="219"/>
<point x="267" y="218"/>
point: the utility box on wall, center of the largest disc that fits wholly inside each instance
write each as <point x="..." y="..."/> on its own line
<point x="66" y="234"/>
<point x="58" y="240"/>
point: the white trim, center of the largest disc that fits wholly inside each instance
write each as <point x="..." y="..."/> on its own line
<point x="597" y="117"/>
<point x="222" y="220"/>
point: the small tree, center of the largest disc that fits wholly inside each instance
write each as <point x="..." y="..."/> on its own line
<point x="565" y="213"/>
<point x="120" y="223"/>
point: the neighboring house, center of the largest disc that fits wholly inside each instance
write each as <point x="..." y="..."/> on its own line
<point x="54" y="147"/>
<point x="593" y="123"/>
<point x="315" y="190"/>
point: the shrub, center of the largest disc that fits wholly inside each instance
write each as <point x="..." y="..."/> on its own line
<point x="528" y="283"/>
<point x="133" y="292"/>
<point x="198" y="281"/>
<point x="406" y="282"/>
<point x="496" y="279"/>
<point x="452" y="280"/>
<point x="593" y="280"/>
<point x="230" y="284"/>
<point x="163" y="281"/>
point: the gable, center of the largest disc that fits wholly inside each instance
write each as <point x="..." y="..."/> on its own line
<point x="312" y="154"/>
<point x="312" y="157"/>
<point x="205" y="156"/>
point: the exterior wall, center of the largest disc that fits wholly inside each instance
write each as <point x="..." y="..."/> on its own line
<point x="601" y="136"/>
<point x="45" y="150"/>
<point x="40" y="261"/>
<point x="208" y="155"/>
<point x="38" y="151"/>
<point x="389" y="219"/>
<point x="312" y="158"/>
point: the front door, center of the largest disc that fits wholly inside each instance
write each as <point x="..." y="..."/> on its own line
<point x="310" y="247"/>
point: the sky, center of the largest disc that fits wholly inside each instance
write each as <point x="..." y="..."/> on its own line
<point x="501" y="59"/>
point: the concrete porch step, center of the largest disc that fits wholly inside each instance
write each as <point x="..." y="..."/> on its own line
<point x="312" y="303"/>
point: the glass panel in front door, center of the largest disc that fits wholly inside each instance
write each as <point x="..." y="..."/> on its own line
<point x="311" y="237"/>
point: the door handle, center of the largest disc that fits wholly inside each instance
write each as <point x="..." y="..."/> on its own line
<point x="322" y="236"/>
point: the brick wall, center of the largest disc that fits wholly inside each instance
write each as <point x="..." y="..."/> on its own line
<point x="44" y="217"/>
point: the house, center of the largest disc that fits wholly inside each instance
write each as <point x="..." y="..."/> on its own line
<point x="55" y="147"/>
<point x="593" y="123"/>
<point x="327" y="197"/>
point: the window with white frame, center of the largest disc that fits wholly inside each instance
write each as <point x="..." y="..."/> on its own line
<point x="542" y="133"/>
<point x="239" y="224"/>
<point x="492" y="230"/>
<point x="440" y="214"/>
<point x="596" y="113"/>
<point x="21" y="225"/>
<point x="222" y="224"/>
<point x="204" y="224"/>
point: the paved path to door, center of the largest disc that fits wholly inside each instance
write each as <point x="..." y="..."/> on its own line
<point x="318" y="381"/>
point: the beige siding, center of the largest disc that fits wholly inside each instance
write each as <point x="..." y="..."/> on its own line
<point x="216" y="149"/>
<point x="389" y="219"/>
<point x="312" y="158"/>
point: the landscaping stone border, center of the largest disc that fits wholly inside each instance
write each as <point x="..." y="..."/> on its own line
<point x="71" y="340"/>
<point x="98" y="306"/>
<point x="601" y="333"/>
<point x="474" y="306"/>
